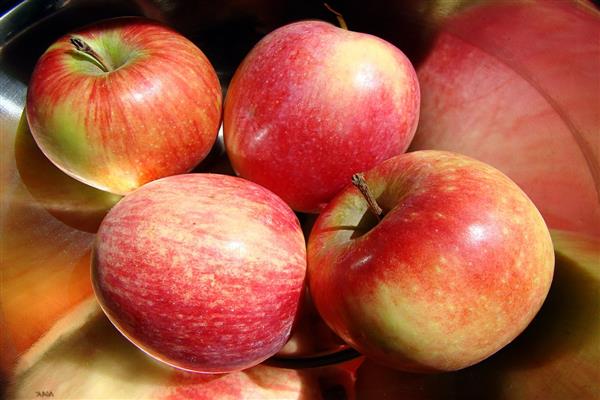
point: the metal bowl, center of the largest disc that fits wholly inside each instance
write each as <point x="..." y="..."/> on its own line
<point x="48" y="220"/>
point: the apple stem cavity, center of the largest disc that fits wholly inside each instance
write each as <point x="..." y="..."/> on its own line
<point x="82" y="47"/>
<point x="338" y="15"/>
<point x="359" y="181"/>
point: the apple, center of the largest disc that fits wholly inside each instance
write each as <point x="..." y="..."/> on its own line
<point x="312" y="104"/>
<point x="123" y="102"/>
<point x="515" y="84"/>
<point x="94" y="361"/>
<point x="202" y="271"/>
<point x="456" y="268"/>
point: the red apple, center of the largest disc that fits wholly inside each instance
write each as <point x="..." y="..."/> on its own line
<point x="202" y="271"/>
<point x="457" y="267"/>
<point x="123" y="102"/>
<point x="516" y="85"/>
<point x="312" y="104"/>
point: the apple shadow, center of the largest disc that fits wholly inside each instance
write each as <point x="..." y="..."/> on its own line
<point x="566" y="322"/>
<point x="364" y="225"/>
<point x="23" y="48"/>
<point x="101" y="353"/>
<point x="311" y="338"/>
<point x="81" y="57"/>
<point x="3" y="385"/>
<point x="98" y="348"/>
<point x="301" y="312"/>
<point x="74" y="203"/>
<point x="216" y="161"/>
<point x="305" y="383"/>
<point x="307" y="221"/>
<point x="373" y="380"/>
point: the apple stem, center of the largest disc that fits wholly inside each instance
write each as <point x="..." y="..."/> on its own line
<point x="83" y="47"/>
<point x="338" y="15"/>
<point x="359" y="181"/>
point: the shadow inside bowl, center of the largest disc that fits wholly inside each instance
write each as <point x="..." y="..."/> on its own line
<point x="74" y="203"/>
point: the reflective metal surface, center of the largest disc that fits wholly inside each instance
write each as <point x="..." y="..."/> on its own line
<point x="48" y="220"/>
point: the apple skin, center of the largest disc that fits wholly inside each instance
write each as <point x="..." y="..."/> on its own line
<point x="310" y="335"/>
<point x="155" y="114"/>
<point x="504" y="83"/>
<point x="202" y="271"/>
<point x="458" y="266"/>
<point x="312" y="104"/>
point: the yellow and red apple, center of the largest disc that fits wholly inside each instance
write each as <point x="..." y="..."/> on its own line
<point x="456" y="268"/>
<point x="123" y="102"/>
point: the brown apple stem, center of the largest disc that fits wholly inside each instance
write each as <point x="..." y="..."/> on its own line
<point x="83" y="47"/>
<point x="338" y="15"/>
<point x="359" y="181"/>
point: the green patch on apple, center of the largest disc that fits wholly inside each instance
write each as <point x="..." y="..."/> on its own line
<point x="69" y="138"/>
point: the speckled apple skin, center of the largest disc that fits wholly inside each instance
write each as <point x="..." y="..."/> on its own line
<point x="311" y="104"/>
<point x="456" y="269"/>
<point x="202" y="271"/>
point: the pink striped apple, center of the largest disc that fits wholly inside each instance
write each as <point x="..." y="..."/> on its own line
<point x="516" y="85"/>
<point x="312" y="104"/>
<point x="123" y="102"/>
<point x="202" y="271"/>
<point x="456" y="268"/>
